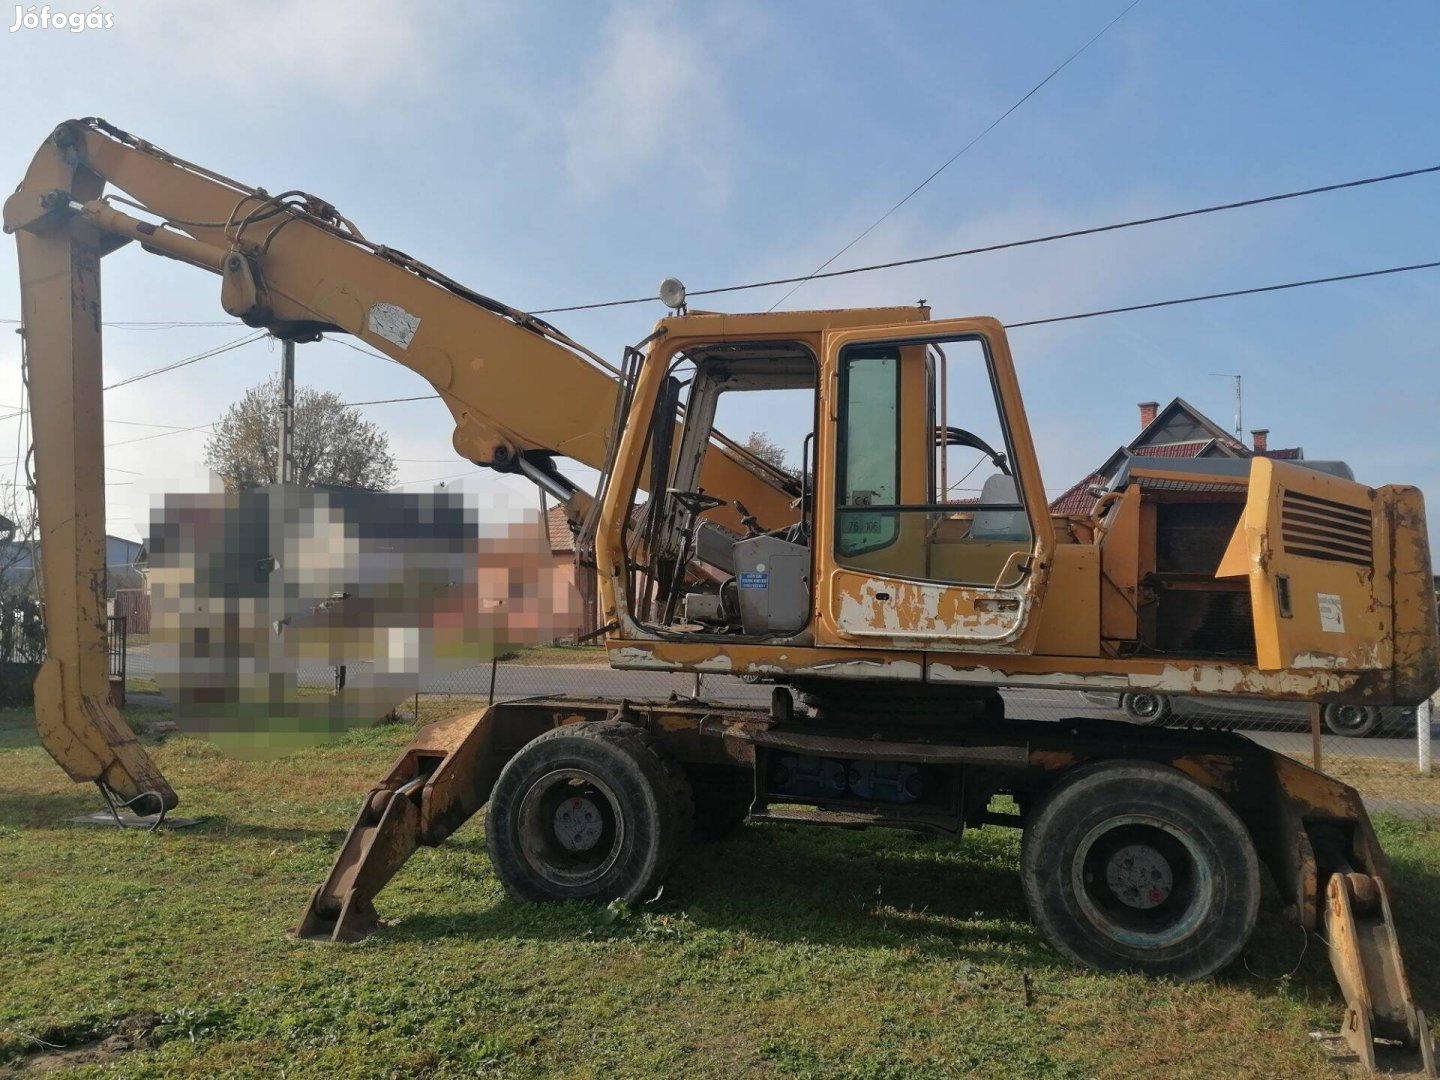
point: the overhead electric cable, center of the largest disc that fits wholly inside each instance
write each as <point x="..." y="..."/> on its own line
<point x="1006" y="245"/>
<point x="130" y="325"/>
<point x="388" y="401"/>
<point x="161" y="435"/>
<point x="1223" y="295"/>
<point x="956" y="156"/>
<point x="189" y="360"/>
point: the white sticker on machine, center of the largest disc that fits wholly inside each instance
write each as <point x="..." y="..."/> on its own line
<point x="393" y="323"/>
<point x="1332" y="615"/>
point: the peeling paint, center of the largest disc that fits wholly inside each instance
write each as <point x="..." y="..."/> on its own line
<point x="1217" y="679"/>
<point x="885" y="607"/>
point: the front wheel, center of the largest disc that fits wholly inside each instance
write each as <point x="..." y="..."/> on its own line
<point x="1133" y="866"/>
<point x="1356" y="721"/>
<point x="590" y="811"/>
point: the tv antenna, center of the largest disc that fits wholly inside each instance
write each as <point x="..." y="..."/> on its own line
<point x="1239" y="401"/>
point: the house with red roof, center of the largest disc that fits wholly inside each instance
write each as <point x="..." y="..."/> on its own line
<point x="566" y="569"/>
<point x="1179" y="430"/>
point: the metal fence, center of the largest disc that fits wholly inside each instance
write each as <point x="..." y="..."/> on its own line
<point x="1384" y="753"/>
<point x="117" y="643"/>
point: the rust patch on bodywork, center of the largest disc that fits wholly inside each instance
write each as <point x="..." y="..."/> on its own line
<point x="1053" y="760"/>
<point x="1216" y="771"/>
<point x="1417" y="636"/>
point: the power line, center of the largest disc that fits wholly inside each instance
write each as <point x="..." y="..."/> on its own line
<point x="189" y="360"/>
<point x="1048" y="238"/>
<point x="364" y="352"/>
<point x="1149" y="305"/>
<point x="388" y="401"/>
<point x="1009" y="326"/>
<point x="142" y="423"/>
<point x="165" y="325"/>
<point x="1252" y="291"/>
<point x="162" y="435"/>
<point x="438" y="479"/>
<point x="108" y="420"/>
<point x="1224" y="295"/>
<point x="216" y="352"/>
<point x="957" y="155"/>
<point x="131" y="325"/>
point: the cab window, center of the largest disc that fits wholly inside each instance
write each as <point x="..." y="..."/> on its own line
<point x="926" y="486"/>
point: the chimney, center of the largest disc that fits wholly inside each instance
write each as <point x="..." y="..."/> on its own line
<point x="1147" y="413"/>
<point x="1261" y="437"/>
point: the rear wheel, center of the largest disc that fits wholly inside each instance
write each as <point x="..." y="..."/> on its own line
<point x="1133" y="866"/>
<point x="1356" y="721"/>
<point x="1146" y="708"/>
<point x="587" y="811"/>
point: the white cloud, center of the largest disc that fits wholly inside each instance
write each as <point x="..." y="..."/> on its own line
<point x="338" y="49"/>
<point x="655" y="93"/>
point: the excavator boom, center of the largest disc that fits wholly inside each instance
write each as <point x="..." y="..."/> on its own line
<point x="521" y="393"/>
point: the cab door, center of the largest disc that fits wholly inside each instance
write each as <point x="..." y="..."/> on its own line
<point x="933" y="530"/>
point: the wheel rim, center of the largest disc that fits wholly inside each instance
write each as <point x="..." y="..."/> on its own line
<point x="571" y="827"/>
<point x="1141" y="882"/>
<point x="1347" y="719"/>
<point x="1145" y="706"/>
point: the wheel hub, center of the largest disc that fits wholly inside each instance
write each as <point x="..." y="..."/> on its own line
<point x="578" y="824"/>
<point x="1139" y="876"/>
<point x="1138" y="879"/>
<point x="570" y="827"/>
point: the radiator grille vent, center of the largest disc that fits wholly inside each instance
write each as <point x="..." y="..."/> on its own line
<point x="1323" y="529"/>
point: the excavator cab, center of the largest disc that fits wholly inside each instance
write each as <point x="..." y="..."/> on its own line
<point x="922" y="480"/>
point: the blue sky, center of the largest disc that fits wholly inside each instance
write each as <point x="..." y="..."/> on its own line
<point x="553" y="154"/>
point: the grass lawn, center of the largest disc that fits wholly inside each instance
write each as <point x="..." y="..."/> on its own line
<point x="1381" y="779"/>
<point x="784" y="952"/>
<point x="558" y="655"/>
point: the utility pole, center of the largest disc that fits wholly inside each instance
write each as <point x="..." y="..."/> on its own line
<point x="286" y="472"/>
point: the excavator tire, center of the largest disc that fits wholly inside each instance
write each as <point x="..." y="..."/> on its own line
<point x="1133" y="866"/>
<point x="588" y="811"/>
<point x="723" y="794"/>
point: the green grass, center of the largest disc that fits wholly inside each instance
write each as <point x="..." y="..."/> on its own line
<point x="784" y="952"/>
<point x="550" y="655"/>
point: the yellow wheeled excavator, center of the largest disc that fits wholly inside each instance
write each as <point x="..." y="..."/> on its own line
<point x="887" y="586"/>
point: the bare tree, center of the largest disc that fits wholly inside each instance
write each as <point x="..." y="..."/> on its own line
<point x="333" y="444"/>
<point x="766" y="449"/>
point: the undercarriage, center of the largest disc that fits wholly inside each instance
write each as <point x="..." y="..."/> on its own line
<point x="1143" y="849"/>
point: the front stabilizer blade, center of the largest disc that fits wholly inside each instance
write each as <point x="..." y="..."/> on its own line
<point x="1365" y="954"/>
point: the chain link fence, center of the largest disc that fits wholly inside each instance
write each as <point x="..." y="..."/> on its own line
<point x="1384" y="753"/>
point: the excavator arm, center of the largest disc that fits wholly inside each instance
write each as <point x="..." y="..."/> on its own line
<point x="521" y="393"/>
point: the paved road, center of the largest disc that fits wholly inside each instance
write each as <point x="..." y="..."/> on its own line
<point x="522" y="680"/>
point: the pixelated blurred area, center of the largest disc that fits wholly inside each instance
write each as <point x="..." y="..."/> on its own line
<point x="282" y="616"/>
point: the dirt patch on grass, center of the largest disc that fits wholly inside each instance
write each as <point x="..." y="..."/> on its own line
<point x="68" y="1048"/>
